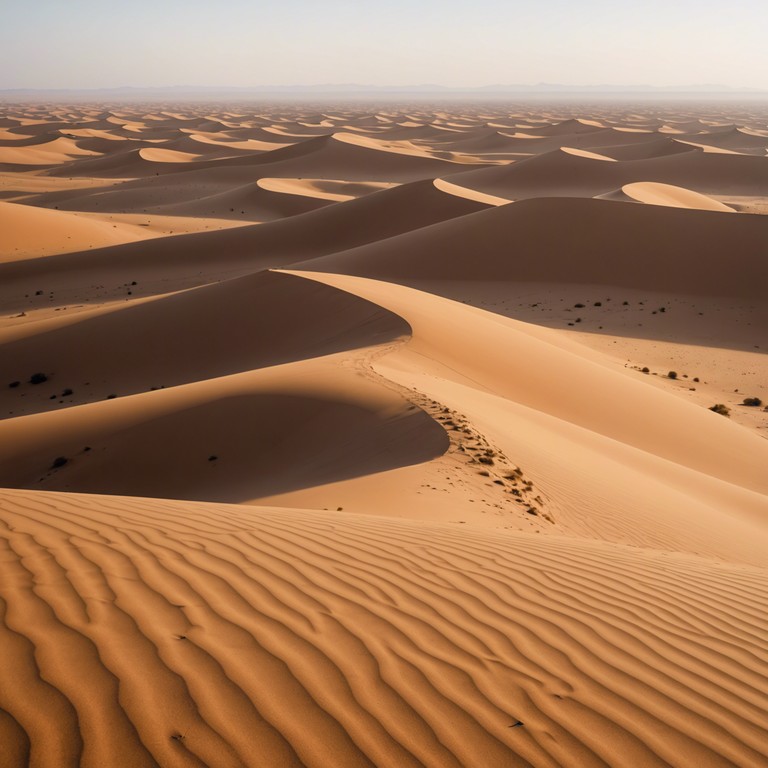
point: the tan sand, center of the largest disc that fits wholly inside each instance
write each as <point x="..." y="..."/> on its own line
<point x="338" y="435"/>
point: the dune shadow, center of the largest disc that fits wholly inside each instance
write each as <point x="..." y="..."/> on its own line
<point x="235" y="449"/>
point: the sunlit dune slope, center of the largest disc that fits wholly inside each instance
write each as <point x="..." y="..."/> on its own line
<point x="397" y="643"/>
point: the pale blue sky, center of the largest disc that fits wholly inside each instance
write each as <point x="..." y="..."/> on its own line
<point x="100" y="43"/>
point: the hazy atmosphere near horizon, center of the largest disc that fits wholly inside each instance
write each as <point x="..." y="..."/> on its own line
<point x="92" y="44"/>
<point x="383" y="385"/>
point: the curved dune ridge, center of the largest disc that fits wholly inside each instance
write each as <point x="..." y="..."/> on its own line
<point x="281" y="429"/>
<point x="469" y="194"/>
<point x="396" y="643"/>
<point x="595" y="242"/>
<point x="383" y="435"/>
<point x="576" y="173"/>
<point x="345" y="225"/>
<point x="51" y="152"/>
<point x="323" y="189"/>
<point x="675" y="197"/>
<point x="29" y="232"/>
<point x="240" y="334"/>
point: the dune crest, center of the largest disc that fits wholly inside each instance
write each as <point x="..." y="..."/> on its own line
<point x="383" y="434"/>
<point x="675" y="197"/>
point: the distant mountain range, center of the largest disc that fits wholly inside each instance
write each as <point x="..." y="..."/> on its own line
<point x="375" y="91"/>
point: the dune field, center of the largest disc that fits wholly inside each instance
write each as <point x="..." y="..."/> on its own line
<point x="355" y="435"/>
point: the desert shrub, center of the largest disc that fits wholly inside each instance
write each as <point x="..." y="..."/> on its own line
<point x="67" y="392"/>
<point x="578" y="306"/>
<point x="646" y="370"/>
<point x="59" y="461"/>
<point x="672" y="374"/>
<point x="38" y="378"/>
<point x="14" y="384"/>
<point x="723" y="410"/>
<point x="754" y="402"/>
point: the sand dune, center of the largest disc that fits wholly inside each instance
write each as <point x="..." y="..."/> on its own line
<point x="334" y="190"/>
<point x="47" y="153"/>
<point x="734" y="138"/>
<point x="282" y="428"/>
<point x="469" y="194"/>
<point x="482" y="352"/>
<point x="205" y="611"/>
<point x="636" y="246"/>
<point x="120" y="351"/>
<point x="30" y="232"/>
<point x="354" y="434"/>
<point x="565" y="172"/>
<point x="675" y="197"/>
<point x="350" y="157"/>
<point x="253" y="202"/>
<point x="201" y="257"/>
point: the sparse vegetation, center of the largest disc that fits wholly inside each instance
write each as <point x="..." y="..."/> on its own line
<point x="38" y="378"/>
<point x="753" y="402"/>
<point x="723" y="410"/>
<point x="59" y="461"/>
<point x="672" y="375"/>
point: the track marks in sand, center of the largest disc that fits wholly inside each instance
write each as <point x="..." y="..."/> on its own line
<point x="391" y="643"/>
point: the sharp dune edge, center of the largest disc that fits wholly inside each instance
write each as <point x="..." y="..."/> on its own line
<point x="383" y="438"/>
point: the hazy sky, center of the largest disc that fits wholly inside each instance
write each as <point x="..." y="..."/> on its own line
<point x="103" y="43"/>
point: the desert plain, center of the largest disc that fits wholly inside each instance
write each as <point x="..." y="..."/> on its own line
<point x="382" y="435"/>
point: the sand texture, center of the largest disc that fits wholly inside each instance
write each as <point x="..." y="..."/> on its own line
<point x="383" y="436"/>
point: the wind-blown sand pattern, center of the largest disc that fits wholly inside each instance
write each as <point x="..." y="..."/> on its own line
<point x="334" y="437"/>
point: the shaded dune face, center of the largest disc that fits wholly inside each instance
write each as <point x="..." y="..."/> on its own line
<point x="383" y="435"/>
<point x="227" y="447"/>
<point x="238" y="325"/>
<point x="202" y="257"/>
<point x="595" y="241"/>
